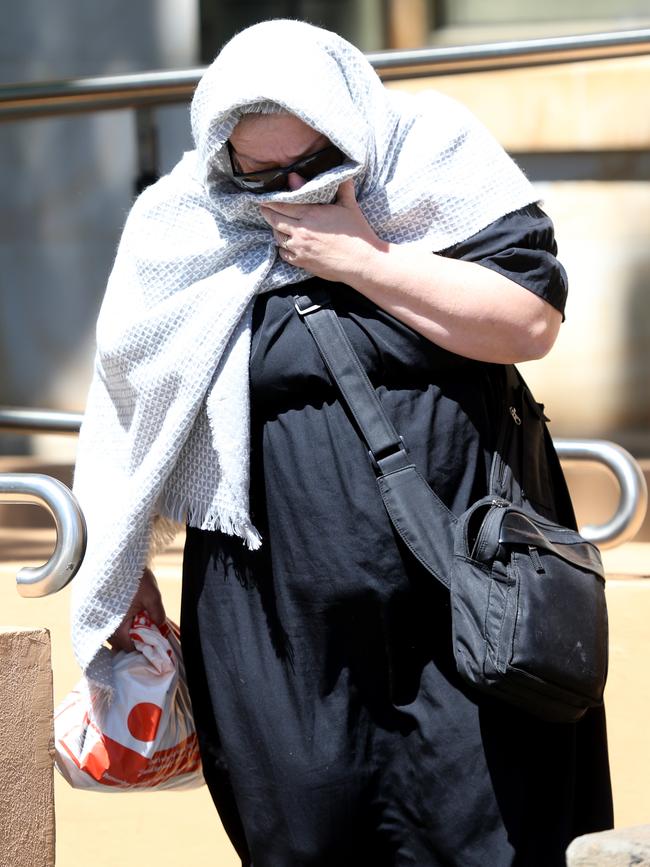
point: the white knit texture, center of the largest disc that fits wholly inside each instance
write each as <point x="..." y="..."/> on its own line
<point x="166" y="429"/>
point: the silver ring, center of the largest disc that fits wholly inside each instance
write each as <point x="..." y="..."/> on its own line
<point x="285" y="243"/>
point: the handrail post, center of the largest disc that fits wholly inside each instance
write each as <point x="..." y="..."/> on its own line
<point x="147" y="148"/>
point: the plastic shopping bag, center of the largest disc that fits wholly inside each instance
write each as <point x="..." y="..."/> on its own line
<point x="145" y="737"/>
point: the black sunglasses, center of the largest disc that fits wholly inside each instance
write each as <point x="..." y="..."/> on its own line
<point x="272" y="180"/>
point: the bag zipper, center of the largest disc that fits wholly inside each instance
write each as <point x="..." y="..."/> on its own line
<point x="499" y="465"/>
<point x="493" y="515"/>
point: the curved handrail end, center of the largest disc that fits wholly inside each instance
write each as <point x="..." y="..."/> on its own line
<point x="71" y="533"/>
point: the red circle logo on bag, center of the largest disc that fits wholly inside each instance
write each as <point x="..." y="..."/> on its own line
<point x="143" y="720"/>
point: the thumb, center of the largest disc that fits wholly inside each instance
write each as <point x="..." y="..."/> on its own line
<point x="346" y="195"/>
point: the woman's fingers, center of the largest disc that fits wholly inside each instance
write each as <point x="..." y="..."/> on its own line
<point x="147" y="598"/>
<point x="326" y="239"/>
<point x="281" y="238"/>
<point x="292" y="213"/>
<point x="279" y="223"/>
<point x="120" y="639"/>
<point x="151" y="598"/>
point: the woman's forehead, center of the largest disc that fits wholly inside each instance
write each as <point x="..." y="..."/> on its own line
<point x="287" y="130"/>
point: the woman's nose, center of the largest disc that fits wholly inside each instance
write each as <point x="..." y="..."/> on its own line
<point x="295" y="181"/>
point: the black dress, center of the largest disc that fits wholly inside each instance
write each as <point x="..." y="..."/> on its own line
<point x="333" y="725"/>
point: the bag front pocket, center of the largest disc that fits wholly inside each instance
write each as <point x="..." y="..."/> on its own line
<point x="560" y="635"/>
<point x="482" y="598"/>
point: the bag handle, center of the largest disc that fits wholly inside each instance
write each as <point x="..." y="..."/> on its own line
<point x="424" y="523"/>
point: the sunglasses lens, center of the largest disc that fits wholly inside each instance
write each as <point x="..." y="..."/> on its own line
<point x="261" y="182"/>
<point x="274" y="180"/>
<point x="314" y="165"/>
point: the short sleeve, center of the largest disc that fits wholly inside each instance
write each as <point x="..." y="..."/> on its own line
<point x="521" y="246"/>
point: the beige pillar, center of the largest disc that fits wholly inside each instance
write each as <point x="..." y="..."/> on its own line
<point x="26" y="749"/>
<point x="408" y="24"/>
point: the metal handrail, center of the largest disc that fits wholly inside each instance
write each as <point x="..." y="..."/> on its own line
<point x="18" y="420"/>
<point x="101" y="93"/>
<point x="633" y="500"/>
<point x="621" y="527"/>
<point x="70" y="546"/>
<point x="393" y="65"/>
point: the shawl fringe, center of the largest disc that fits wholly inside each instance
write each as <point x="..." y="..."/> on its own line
<point x="176" y="511"/>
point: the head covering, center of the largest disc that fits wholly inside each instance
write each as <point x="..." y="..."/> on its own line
<point x="166" y="429"/>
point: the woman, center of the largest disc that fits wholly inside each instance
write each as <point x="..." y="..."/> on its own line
<point x="334" y="728"/>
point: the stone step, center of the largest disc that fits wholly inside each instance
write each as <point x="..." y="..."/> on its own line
<point x="26" y="772"/>
<point x="619" y="848"/>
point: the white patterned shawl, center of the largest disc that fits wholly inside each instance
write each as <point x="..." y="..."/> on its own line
<point x="166" y="429"/>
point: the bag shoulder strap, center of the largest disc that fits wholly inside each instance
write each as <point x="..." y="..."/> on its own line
<point x="424" y="523"/>
<point x="349" y="375"/>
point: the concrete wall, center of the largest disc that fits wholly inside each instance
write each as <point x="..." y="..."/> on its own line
<point x="67" y="183"/>
<point x="69" y="186"/>
<point x="595" y="380"/>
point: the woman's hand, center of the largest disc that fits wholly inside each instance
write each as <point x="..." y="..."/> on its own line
<point x="329" y="241"/>
<point x="461" y="306"/>
<point x="147" y="599"/>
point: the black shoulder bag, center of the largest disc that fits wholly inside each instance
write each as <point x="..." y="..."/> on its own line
<point x="529" y="620"/>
